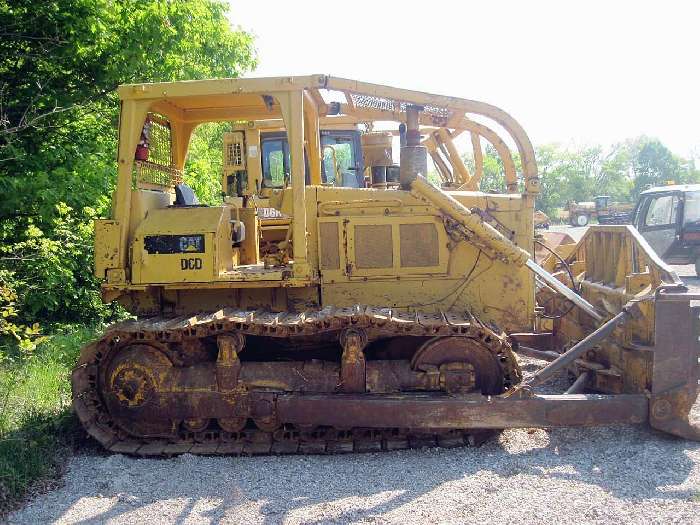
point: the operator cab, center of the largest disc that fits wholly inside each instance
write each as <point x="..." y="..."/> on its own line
<point x="257" y="171"/>
<point x="668" y="217"/>
<point x="341" y="163"/>
<point x="257" y="159"/>
<point x="250" y="235"/>
<point x="602" y="202"/>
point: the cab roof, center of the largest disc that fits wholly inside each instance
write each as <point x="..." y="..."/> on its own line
<point x="190" y="103"/>
<point x="672" y="187"/>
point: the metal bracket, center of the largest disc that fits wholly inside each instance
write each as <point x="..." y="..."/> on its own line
<point x="352" y="367"/>
<point x="228" y="365"/>
<point x="676" y="366"/>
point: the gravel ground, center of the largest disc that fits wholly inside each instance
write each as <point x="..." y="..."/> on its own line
<point x="606" y="475"/>
<point x="620" y="474"/>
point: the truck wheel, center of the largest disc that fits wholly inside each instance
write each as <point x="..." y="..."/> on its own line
<point x="581" y="220"/>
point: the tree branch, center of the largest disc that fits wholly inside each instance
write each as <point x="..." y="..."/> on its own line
<point x="27" y="123"/>
<point x="20" y="36"/>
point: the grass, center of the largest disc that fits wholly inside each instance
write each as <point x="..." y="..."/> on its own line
<point x="37" y="426"/>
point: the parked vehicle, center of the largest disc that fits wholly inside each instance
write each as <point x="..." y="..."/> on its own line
<point x="668" y="217"/>
<point x="602" y="208"/>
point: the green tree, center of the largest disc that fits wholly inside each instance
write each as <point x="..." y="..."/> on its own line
<point x="613" y="174"/>
<point x="493" y="179"/>
<point x="653" y="164"/>
<point x="552" y="179"/>
<point x="204" y="165"/>
<point x="59" y="65"/>
<point x="569" y="173"/>
<point x="690" y="174"/>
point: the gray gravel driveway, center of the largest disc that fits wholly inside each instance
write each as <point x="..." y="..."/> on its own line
<point x="620" y="474"/>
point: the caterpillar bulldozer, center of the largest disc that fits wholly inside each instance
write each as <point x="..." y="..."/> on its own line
<point x="336" y="300"/>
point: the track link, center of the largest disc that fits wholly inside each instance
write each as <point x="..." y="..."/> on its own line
<point x="382" y="322"/>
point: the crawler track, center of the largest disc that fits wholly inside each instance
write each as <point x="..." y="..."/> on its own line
<point x="166" y="333"/>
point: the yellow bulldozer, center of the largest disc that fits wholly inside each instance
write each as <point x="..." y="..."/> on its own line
<point x="336" y="300"/>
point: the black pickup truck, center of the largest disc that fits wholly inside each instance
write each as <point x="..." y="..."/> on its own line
<point x="668" y="217"/>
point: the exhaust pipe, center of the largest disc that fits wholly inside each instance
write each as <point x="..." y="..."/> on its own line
<point x="414" y="157"/>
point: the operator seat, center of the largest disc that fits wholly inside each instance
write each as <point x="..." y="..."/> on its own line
<point x="184" y="196"/>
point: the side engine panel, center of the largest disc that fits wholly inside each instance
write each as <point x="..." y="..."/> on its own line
<point x="391" y="248"/>
<point x="186" y="244"/>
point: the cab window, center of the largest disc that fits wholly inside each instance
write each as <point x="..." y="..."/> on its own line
<point x="662" y="211"/>
<point x="340" y="150"/>
<point x="691" y="208"/>
<point x="275" y="162"/>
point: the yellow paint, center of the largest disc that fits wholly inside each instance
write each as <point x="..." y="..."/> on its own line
<point x="479" y="272"/>
<point x="213" y="223"/>
<point x="107" y="254"/>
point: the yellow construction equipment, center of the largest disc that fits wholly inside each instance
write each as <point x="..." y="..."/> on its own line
<point x="337" y="300"/>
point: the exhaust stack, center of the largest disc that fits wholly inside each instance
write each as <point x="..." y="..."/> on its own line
<point x="414" y="157"/>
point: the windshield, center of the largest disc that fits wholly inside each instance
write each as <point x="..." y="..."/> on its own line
<point x="691" y="213"/>
<point x="275" y="162"/>
<point x="342" y="164"/>
<point x="663" y="210"/>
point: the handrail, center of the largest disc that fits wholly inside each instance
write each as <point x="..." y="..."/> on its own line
<point x="358" y="203"/>
<point x="514" y="129"/>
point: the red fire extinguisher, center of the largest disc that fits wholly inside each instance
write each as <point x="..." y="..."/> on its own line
<point x="142" y="146"/>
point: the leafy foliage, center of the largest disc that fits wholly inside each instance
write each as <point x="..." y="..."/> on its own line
<point x="59" y="65"/>
<point x="494" y="177"/>
<point x="57" y="56"/>
<point x="49" y="267"/>
<point x="25" y="337"/>
<point x="654" y="165"/>
<point x="205" y="161"/>
<point x="581" y="173"/>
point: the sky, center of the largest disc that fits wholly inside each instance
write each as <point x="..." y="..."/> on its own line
<point x="593" y="72"/>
